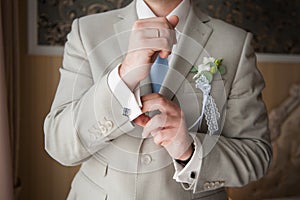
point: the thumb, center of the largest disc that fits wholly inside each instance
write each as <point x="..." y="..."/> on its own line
<point x="173" y="20"/>
<point x="141" y="120"/>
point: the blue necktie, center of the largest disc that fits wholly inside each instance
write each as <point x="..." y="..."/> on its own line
<point x="158" y="72"/>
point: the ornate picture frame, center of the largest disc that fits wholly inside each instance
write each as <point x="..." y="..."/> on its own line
<point x="34" y="48"/>
<point x="50" y="20"/>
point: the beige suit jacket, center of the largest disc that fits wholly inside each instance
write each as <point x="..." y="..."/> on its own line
<point x="86" y="124"/>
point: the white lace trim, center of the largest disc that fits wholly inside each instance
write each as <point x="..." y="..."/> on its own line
<point x="209" y="108"/>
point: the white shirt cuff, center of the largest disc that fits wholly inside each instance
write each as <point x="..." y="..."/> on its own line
<point x="189" y="173"/>
<point x="129" y="100"/>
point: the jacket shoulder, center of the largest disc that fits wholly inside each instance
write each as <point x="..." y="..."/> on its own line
<point x="98" y="27"/>
<point x="101" y="18"/>
<point x="226" y="30"/>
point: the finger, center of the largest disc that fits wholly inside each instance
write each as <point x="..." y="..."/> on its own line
<point x="154" y="32"/>
<point x="155" y="101"/>
<point x="173" y="20"/>
<point x="164" y="54"/>
<point x="163" y="137"/>
<point x="142" y="33"/>
<point x="154" y="124"/>
<point x="159" y="122"/>
<point x="169" y="34"/>
<point x="161" y="29"/>
<point x="161" y="104"/>
<point x="151" y="96"/>
<point x="142" y="120"/>
<point x="155" y="132"/>
<point x="154" y="44"/>
<point x="160" y="138"/>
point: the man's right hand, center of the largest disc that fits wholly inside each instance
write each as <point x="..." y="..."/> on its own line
<point x="149" y="37"/>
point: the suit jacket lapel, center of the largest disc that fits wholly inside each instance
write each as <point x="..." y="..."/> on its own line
<point x="191" y="44"/>
<point x="123" y="27"/>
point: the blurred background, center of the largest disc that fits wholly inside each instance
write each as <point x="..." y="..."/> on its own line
<point x="32" y="35"/>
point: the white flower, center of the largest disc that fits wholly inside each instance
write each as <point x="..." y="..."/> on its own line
<point x="203" y="67"/>
<point x="207" y="60"/>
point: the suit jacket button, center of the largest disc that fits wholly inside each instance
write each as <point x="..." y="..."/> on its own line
<point x="146" y="159"/>
<point x="217" y="184"/>
<point x="109" y="124"/>
<point x="206" y="185"/>
<point x="103" y="129"/>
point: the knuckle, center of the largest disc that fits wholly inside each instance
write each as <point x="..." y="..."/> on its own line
<point x="181" y="112"/>
<point x="165" y="44"/>
<point x="138" y="24"/>
<point x="164" y="41"/>
<point x="162" y="101"/>
<point x="164" y="20"/>
<point x="156" y="95"/>
<point x="156" y="140"/>
<point x="135" y="35"/>
<point x="168" y="33"/>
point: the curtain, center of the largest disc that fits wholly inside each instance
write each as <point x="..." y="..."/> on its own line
<point x="9" y="120"/>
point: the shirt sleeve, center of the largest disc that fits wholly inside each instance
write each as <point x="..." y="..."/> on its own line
<point x="129" y="100"/>
<point x="187" y="174"/>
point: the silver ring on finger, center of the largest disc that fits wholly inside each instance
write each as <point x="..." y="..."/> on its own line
<point x="158" y="33"/>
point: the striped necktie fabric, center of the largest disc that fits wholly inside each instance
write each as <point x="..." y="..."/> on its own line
<point x="158" y="72"/>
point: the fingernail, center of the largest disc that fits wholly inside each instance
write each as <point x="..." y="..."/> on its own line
<point x="144" y="134"/>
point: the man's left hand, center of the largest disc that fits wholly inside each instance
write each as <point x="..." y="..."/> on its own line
<point x="167" y="128"/>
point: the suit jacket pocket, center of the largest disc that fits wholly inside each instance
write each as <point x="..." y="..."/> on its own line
<point x="83" y="188"/>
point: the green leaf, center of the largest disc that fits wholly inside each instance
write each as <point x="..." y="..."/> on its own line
<point x="194" y="69"/>
<point x="208" y="75"/>
<point x="222" y="69"/>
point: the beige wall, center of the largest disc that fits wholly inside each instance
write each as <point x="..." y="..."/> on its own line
<point x="278" y="77"/>
<point x="41" y="177"/>
<point x="44" y="179"/>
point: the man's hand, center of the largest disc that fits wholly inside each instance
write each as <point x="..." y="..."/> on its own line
<point x="167" y="128"/>
<point x="149" y="37"/>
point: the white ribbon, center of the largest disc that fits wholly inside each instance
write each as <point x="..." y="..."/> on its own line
<point x="209" y="108"/>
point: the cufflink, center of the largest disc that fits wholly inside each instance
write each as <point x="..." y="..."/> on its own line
<point x="193" y="175"/>
<point x="126" y="112"/>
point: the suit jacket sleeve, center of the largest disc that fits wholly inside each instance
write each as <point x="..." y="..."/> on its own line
<point x="85" y="115"/>
<point x="242" y="153"/>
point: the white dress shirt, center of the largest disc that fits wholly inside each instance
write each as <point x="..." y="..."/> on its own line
<point x="131" y="100"/>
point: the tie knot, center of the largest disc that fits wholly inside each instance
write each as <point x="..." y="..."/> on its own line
<point x="161" y="61"/>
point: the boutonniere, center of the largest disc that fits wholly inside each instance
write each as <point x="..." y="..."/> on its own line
<point x="204" y="76"/>
<point x="208" y="68"/>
